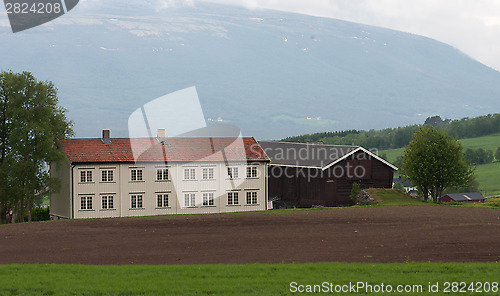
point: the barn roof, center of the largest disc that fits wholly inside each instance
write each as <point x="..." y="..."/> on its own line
<point x="471" y="196"/>
<point x="168" y="149"/>
<point x="307" y="155"/>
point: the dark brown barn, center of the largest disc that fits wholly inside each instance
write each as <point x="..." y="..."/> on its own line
<point x="306" y="175"/>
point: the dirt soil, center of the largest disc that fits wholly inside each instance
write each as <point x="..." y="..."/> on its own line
<point x="377" y="234"/>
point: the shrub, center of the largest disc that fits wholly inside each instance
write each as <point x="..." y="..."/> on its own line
<point x="399" y="187"/>
<point x="356" y="189"/>
<point x="39" y="214"/>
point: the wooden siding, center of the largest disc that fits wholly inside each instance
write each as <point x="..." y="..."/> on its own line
<point x="305" y="187"/>
<point x="60" y="202"/>
<point x="122" y="188"/>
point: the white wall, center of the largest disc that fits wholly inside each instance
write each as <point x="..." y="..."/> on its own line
<point x="60" y="202"/>
<point x="122" y="188"/>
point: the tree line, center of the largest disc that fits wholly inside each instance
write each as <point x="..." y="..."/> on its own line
<point x="31" y="122"/>
<point x="391" y="138"/>
<point x="482" y="156"/>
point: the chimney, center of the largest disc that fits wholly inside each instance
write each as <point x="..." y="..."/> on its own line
<point x="105" y="136"/>
<point x="160" y="133"/>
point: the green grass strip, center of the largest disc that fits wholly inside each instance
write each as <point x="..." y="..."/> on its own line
<point x="254" y="279"/>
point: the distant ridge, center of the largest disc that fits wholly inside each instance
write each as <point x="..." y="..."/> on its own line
<point x="273" y="74"/>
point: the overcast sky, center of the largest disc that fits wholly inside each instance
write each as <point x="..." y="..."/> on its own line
<point x="473" y="26"/>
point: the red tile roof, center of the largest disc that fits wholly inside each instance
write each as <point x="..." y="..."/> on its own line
<point x="172" y="149"/>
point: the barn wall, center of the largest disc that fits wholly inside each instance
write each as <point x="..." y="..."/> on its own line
<point x="309" y="187"/>
<point x="446" y="198"/>
<point x="363" y="169"/>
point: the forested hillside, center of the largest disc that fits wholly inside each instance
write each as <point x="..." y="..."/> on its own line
<point x="391" y="138"/>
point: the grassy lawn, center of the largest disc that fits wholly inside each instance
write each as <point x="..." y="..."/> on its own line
<point x="490" y="203"/>
<point x="488" y="176"/>
<point x="390" y="197"/>
<point x="254" y="279"/>
<point x="392" y="154"/>
<point x="491" y="142"/>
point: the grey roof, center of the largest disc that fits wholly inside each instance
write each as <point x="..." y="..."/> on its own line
<point x="308" y="155"/>
<point x="303" y="154"/>
<point x="405" y="182"/>
<point x="466" y="196"/>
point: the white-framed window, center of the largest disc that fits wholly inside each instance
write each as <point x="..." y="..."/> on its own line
<point x="162" y="174"/>
<point x="233" y="198"/>
<point x="136" y="175"/>
<point x="136" y="201"/>
<point x="232" y="173"/>
<point x="251" y="172"/>
<point x="251" y="197"/>
<point x="189" y="199"/>
<point x="208" y="199"/>
<point x="162" y="200"/>
<point x="86" y="176"/>
<point x="208" y="173"/>
<point x="86" y="203"/>
<point x="107" y="176"/>
<point x="107" y="202"/>
<point x="189" y="174"/>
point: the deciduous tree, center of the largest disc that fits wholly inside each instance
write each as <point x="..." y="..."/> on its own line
<point x="31" y="121"/>
<point x="434" y="161"/>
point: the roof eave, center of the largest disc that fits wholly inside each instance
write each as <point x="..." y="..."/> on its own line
<point x="365" y="151"/>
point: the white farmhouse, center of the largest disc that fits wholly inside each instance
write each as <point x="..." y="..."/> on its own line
<point x="120" y="177"/>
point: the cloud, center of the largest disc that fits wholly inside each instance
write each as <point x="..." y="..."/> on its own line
<point x="158" y="5"/>
<point x="164" y="4"/>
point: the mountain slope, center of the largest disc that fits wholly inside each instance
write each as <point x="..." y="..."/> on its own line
<point x="265" y="71"/>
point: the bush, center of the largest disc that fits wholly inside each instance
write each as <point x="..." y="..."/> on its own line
<point x="399" y="187"/>
<point x="479" y="156"/>
<point x="356" y="189"/>
<point x="39" y="214"/>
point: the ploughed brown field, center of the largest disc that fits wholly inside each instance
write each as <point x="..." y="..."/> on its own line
<point x="377" y="234"/>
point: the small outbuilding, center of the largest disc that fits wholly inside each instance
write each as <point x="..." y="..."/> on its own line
<point x="463" y="197"/>
<point x="407" y="184"/>
<point x="307" y="175"/>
